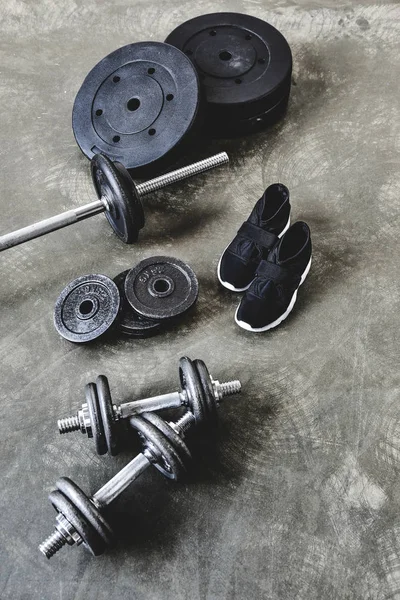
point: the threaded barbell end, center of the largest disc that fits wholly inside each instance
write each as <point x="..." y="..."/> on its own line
<point x="184" y="423"/>
<point x="196" y="168"/>
<point x="228" y="388"/>
<point x="68" y="424"/>
<point x="52" y="544"/>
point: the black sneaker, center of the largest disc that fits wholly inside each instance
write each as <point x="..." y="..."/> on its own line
<point x="273" y="293"/>
<point x="268" y="221"/>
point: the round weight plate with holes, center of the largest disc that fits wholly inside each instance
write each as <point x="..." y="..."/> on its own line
<point x="166" y="457"/>
<point x="91" y="538"/>
<point x="87" y="508"/>
<point x="130" y="323"/>
<point x="190" y="383"/>
<point x="137" y="105"/>
<point x="107" y="414"/>
<point x="170" y="433"/>
<point x="96" y="425"/>
<point x="86" y="308"/>
<point x="245" y="67"/>
<point x="161" y="287"/>
<point x="208" y="392"/>
<point x="124" y="208"/>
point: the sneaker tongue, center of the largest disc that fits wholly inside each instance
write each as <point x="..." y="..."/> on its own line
<point x="247" y="250"/>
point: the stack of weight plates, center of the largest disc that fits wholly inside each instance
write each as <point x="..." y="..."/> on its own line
<point x="245" y="68"/>
<point x="144" y="103"/>
<point x="139" y="302"/>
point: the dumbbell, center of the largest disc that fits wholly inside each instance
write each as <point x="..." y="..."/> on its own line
<point x="100" y="418"/>
<point x="119" y="198"/>
<point x="80" y="518"/>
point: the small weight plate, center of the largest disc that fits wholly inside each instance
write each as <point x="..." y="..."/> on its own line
<point x="161" y="287"/>
<point x="124" y="209"/>
<point x="208" y="393"/>
<point x="91" y="538"/>
<point x="84" y="505"/>
<point x="96" y="424"/>
<point x="190" y="383"/>
<point x="245" y="67"/>
<point x="168" y="462"/>
<point x="107" y="414"/>
<point x="86" y="308"/>
<point x="170" y="434"/>
<point x="130" y="322"/>
<point x="137" y="105"/>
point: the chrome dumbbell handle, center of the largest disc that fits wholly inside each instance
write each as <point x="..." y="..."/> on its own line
<point x="65" y="533"/>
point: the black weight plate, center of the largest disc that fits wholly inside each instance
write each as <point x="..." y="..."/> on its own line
<point x="92" y="540"/>
<point x="86" y="308"/>
<point x="130" y="323"/>
<point x="137" y="105"/>
<point x="124" y="209"/>
<point x="96" y="425"/>
<point x="256" y="123"/>
<point x="90" y="512"/>
<point x="170" y="434"/>
<point x="208" y="392"/>
<point x="161" y="287"/>
<point x="244" y="63"/>
<point x="190" y="383"/>
<point x="107" y="414"/>
<point x="170" y="463"/>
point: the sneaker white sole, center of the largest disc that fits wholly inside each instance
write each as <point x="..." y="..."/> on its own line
<point x="229" y="286"/>
<point x="278" y="321"/>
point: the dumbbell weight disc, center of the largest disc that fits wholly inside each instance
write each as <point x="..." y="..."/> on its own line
<point x="191" y="384"/>
<point x="107" y="415"/>
<point x="170" y="434"/>
<point x="86" y="308"/>
<point x="130" y="323"/>
<point x="138" y="105"/>
<point x="92" y="402"/>
<point x="161" y="287"/>
<point x="86" y="508"/>
<point x="92" y="540"/>
<point x="169" y="462"/>
<point x="208" y="392"/>
<point x="245" y="67"/>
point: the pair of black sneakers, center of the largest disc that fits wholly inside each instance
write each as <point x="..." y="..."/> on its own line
<point x="269" y="260"/>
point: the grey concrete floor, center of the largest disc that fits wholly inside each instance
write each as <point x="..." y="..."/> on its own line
<point x="300" y="498"/>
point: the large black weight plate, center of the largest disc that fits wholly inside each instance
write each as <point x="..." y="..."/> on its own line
<point x="86" y="308"/>
<point x="169" y="462"/>
<point x="170" y="434"/>
<point x="130" y="323"/>
<point x="208" y="392"/>
<point x="161" y="287"/>
<point x="107" y="414"/>
<point x="137" y="105"/>
<point x="91" y="538"/>
<point x="245" y="67"/>
<point x="191" y="384"/>
<point x="90" y="512"/>
<point x="92" y="402"/>
<point x="124" y="210"/>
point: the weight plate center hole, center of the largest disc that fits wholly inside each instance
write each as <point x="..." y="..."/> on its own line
<point x="87" y="308"/>
<point x="161" y="286"/>
<point x="133" y="104"/>
<point x="225" y="55"/>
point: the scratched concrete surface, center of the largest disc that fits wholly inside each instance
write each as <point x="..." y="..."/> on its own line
<point x="300" y="497"/>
